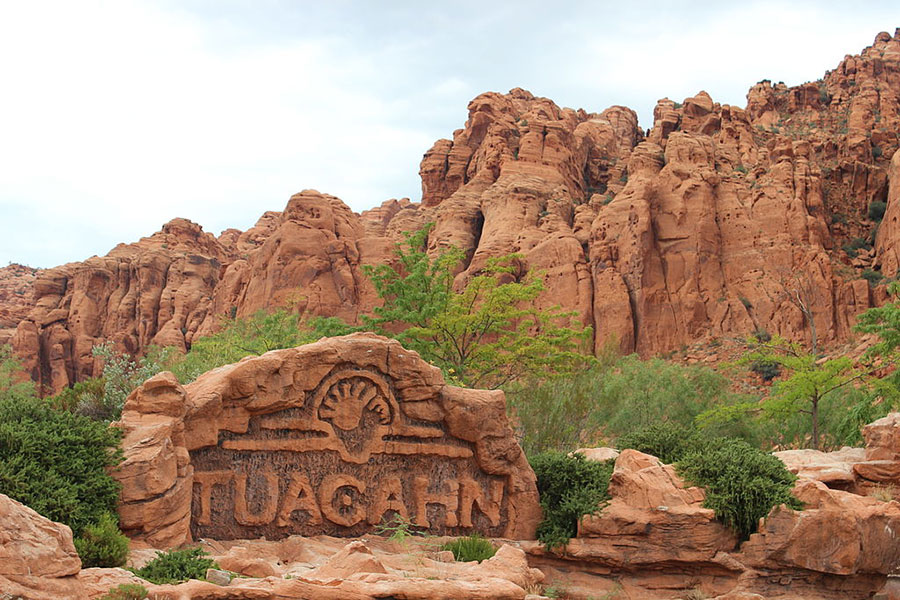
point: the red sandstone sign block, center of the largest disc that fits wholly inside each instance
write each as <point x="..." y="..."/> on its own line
<point x="331" y="438"/>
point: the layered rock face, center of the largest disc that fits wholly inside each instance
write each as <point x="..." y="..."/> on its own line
<point x="717" y="221"/>
<point x="15" y="298"/>
<point x="333" y="437"/>
<point x="37" y="556"/>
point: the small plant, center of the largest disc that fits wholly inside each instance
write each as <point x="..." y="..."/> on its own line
<point x="838" y="218"/>
<point x="877" y="152"/>
<point x="102" y="544"/>
<point x="876" y="210"/>
<point x="609" y="198"/>
<point x="741" y="169"/>
<point x="471" y="547"/>
<point x="873" y="277"/>
<point x="762" y="335"/>
<point x="746" y="302"/>
<point x="624" y="177"/>
<point x="853" y="246"/>
<point x="397" y="529"/>
<point x="767" y="369"/>
<point x="176" y="566"/>
<point x="885" y="493"/>
<point x="570" y="487"/>
<point x="126" y="591"/>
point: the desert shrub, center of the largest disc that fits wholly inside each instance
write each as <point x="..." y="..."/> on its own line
<point x="471" y="547"/>
<point x="56" y="462"/>
<point x="570" y="487"/>
<point x="873" y="277"/>
<point x="876" y="153"/>
<point x="666" y="441"/>
<point x="853" y="247"/>
<point x="767" y="369"/>
<point x="176" y="566"/>
<point x="126" y="591"/>
<point x="876" y="210"/>
<point x="742" y="483"/>
<point x="84" y="392"/>
<point x="102" y="544"/>
<point x="121" y="375"/>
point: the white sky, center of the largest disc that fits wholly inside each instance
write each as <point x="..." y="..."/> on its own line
<point x="116" y="116"/>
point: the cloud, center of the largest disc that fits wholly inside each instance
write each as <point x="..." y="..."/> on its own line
<point x="118" y="116"/>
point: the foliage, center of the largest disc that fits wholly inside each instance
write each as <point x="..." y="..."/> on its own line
<point x="56" y="462"/>
<point x="487" y="334"/>
<point x="469" y="548"/>
<point x="873" y="277"/>
<point x="126" y="591"/>
<point x="742" y="483"/>
<point x="252" y="336"/>
<point x="121" y="375"/>
<point x="853" y="247"/>
<point x="876" y="210"/>
<point x="176" y="566"/>
<point x="810" y="380"/>
<point x="883" y="321"/>
<point x="398" y="529"/>
<point x="767" y="369"/>
<point x="613" y="398"/>
<point x="668" y="442"/>
<point x="89" y="391"/>
<point x="569" y="487"/>
<point x="14" y="382"/>
<point x="102" y="544"/>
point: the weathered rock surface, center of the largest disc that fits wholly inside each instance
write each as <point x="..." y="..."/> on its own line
<point x="16" y="283"/>
<point x="37" y="557"/>
<point x="655" y="540"/>
<point x="331" y="437"/>
<point x="719" y="221"/>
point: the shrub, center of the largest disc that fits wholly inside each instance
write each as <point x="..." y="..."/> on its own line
<point x="767" y="369"/>
<point x="666" y="441"/>
<point x="56" y="462"/>
<point x="853" y="246"/>
<point x="102" y="544"/>
<point x="126" y="591"/>
<point x="876" y="210"/>
<point x="742" y="483"/>
<point x="176" y="566"/>
<point x="469" y="548"/>
<point x="877" y="152"/>
<point x="569" y="487"/>
<point x="873" y="277"/>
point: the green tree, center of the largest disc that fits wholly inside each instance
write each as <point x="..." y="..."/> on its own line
<point x="252" y="336"/>
<point x="487" y="334"/>
<point x="809" y="380"/>
<point x="14" y="383"/>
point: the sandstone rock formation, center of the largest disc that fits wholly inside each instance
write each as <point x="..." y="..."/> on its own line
<point x="332" y="437"/>
<point x="657" y="541"/>
<point x="720" y="220"/>
<point x="37" y="557"/>
<point x="15" y="298"/>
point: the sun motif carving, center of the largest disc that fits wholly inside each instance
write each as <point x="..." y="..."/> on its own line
<point x="346" y="400"/>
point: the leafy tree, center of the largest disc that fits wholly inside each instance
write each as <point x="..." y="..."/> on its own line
<point x="252" y="336"/>
<point x="809" y="382"/>
<point x="487" y="334"/>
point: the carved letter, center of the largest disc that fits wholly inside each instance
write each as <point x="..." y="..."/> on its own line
<point x="423" y="498"/>
<point x="299" y="496"/>
<point x="388" y="496"/>
<point x="241" y="514"/>
<point x="328" y="493"/>
<point x="472" y="493"/>
<point x="206" y="480"/>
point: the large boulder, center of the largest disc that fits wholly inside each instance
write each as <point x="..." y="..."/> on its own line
<point x="333" y="437"/>
<point x="37" y="556"/>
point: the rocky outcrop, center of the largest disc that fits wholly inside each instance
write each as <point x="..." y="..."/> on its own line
<point x="654" y="539"/>
<point x="333" y="437"/>
<point x="37" y="557"/>
<point x="719" y="221"/>
<point x="16" y="302"/>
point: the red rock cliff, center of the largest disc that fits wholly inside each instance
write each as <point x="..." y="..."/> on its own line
<point x="717" y="221"/>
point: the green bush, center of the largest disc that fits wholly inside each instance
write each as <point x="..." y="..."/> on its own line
<point x="873" y="277"/>
<point x="56" y="462"/>
<point x="469" y="548"/>
<point x="666" y="441"/>
<point x="126" y="591"/>
<point x="767" y="369"/>
<point x="569" y="487"/>
<point x="102" y="544"/>
<point x="742" y="483"/>
<point x="176" y="566"/>
<point x="876" y="210"/>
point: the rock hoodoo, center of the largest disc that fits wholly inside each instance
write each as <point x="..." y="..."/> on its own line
<point x="333" y="437"/>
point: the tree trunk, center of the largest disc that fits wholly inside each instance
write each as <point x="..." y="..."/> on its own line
<point x="815" y="422"/>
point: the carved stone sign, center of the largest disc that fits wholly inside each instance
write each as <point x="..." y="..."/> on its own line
<point x="331" y="438"/>
<point x="345" y="459"/>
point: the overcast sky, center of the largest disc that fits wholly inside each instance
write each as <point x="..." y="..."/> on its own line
<point x="118" y="116"/>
